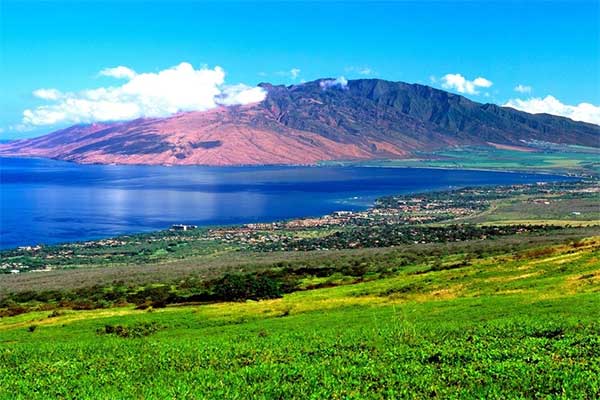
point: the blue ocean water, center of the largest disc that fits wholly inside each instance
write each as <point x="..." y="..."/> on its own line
<point x="46" y="201"/>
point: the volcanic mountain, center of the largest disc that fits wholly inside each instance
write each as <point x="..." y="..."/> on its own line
<point x="307" y="123"/>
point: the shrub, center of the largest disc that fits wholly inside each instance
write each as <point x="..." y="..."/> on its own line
<point x="55" y="313"/>
<point x="238" y="287"/>
<point x="158" y="296"/>
<point x="13" y="310"/>
<point x="84" y="305"/>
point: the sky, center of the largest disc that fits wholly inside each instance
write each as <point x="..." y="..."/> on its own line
<point x="66" y="62"/>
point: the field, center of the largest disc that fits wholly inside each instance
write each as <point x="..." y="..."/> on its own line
<point x="557" y="159"/>
<point x="514" y="324"/>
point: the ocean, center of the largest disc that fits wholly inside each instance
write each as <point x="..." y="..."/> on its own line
<point x="46" y="201"/>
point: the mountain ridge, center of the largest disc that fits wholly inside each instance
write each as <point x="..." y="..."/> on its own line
<point x="322" y="120"/>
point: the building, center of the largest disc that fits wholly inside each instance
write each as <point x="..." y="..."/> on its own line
<point x="182" y="227"/>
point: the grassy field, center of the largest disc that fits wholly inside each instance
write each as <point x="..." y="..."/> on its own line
<point x="552" y="210"/>
<point x="569" y="160"/>
<point x="519" y="324"/>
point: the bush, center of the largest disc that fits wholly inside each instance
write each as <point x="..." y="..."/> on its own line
<point x="238" y="287"/>
<point x="84" y="305"/>
<point x="13" y="310"/>
<point x="55" y="313"/>
<point x="157" y="296"/>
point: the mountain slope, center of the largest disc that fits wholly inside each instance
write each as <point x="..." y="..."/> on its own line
<point x="303" y="124"/>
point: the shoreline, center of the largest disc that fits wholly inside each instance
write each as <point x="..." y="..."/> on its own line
<point x="320" y="164"/>
<point x="207" y="227"/>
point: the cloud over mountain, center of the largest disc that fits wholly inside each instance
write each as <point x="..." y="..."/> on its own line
<point x="522" y="88"/>
<point x="585" y="112"/>
<point x="175" y="89"/>
<point x="463" y="85"/>
<point x="325" y="119"/>
<point x="340" y="82"/>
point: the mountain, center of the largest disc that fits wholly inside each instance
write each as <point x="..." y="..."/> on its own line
<point x="307" y="123"/>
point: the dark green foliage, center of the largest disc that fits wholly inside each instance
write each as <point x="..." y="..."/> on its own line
<point x="438" y="265"/>
<point x="394" y="235"/>
<point x="157" y="296"/>
<point x="55" y="313"/>
<point x="238" y="287"/>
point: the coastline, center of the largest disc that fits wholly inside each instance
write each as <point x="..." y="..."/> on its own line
<point x="355" y="208"/>
<point x="361" y="163"/>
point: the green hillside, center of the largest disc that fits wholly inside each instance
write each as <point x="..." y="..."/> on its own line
<point x="515" y="324"/>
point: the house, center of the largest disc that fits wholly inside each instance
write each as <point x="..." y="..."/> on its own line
<point x="182" y="227"/>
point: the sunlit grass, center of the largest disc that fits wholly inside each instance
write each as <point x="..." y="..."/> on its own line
<point x="505" y="326"/>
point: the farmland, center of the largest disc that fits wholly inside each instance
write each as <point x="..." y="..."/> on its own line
<point x="539" y="157"/>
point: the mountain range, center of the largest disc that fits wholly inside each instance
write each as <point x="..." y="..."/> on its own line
<point x="315" y="121"/>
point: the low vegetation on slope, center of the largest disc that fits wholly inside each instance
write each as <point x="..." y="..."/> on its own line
<point x="539" y="157"/>
<point x="507" y="324"/>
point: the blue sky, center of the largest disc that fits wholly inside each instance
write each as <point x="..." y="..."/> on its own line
<point x="551" y="48"/>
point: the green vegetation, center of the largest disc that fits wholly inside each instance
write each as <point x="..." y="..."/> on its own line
<point x="501" y="322"/>
<point x="260" y="276"/>
<point x="566" y="159"/>
<point x="394" y="235"/>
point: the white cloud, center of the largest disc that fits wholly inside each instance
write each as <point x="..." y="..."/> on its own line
<point x="482" y="82"/>
<point x="119" y="72"/>
<point x="47" y="94"/>
<point x="179" y="88"/>
<point x="366" y="71"/>
<point x="463" y="85"/>
<point x="341" y="82"/>
<point x="551" y="105"/>
<point x="522" y="88"/>
<point x="240" y="94"/>
<point x="292" y="74"/>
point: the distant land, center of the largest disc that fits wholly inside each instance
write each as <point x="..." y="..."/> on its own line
<point x="322" y="120"/>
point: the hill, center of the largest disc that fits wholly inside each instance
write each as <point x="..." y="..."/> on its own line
<point x="307" y="123"/>
<point x="459" y="325"/>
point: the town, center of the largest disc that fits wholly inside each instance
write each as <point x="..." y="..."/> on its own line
<point x="414" y="218"/>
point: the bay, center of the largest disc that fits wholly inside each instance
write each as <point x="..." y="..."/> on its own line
<point x="48" y="201"/>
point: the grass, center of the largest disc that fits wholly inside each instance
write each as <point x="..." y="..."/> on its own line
<point x="549" y="210"/>
<point x="204" y="268"/>
<point x="582" y="161"/>
<point x="520" y="324"/>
